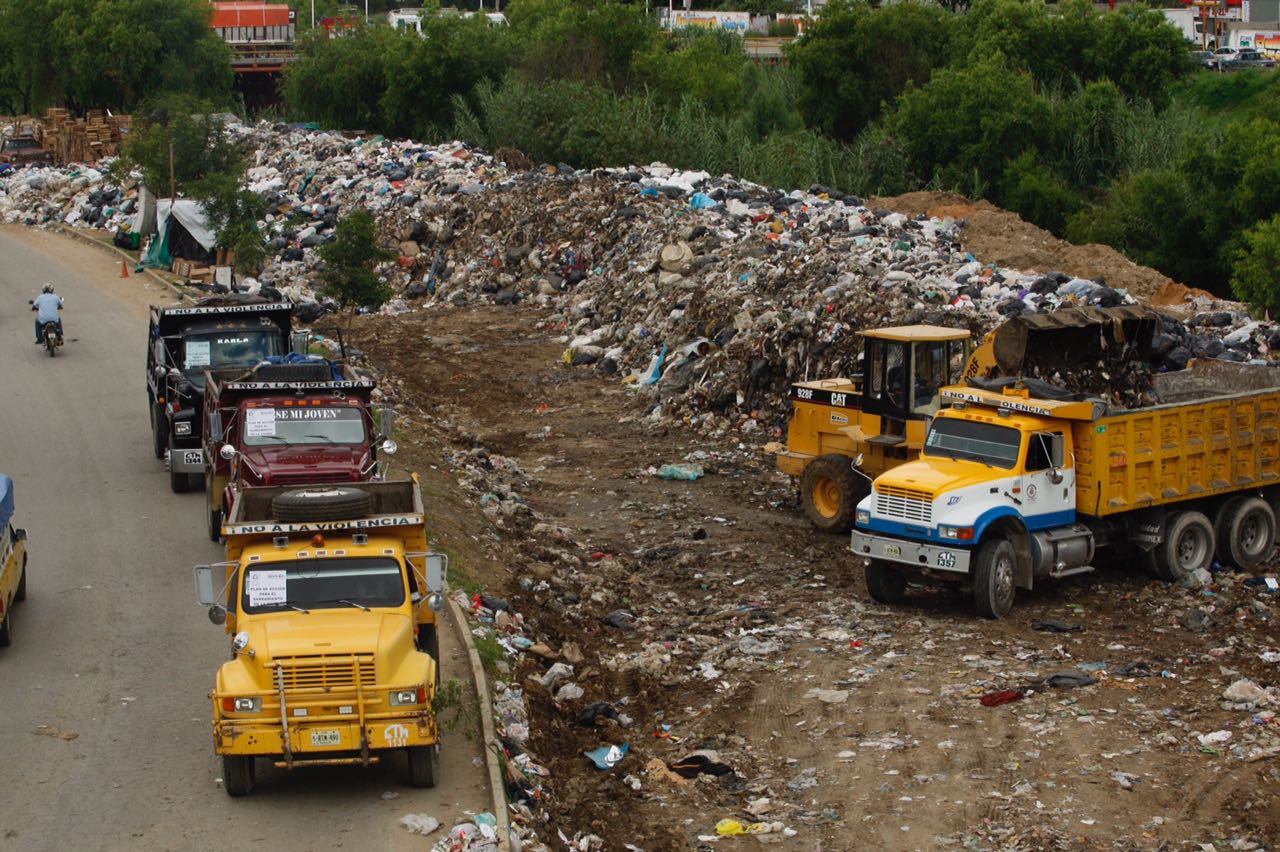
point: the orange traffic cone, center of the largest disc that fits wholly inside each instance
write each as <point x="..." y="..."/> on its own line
<point x="124" y="270"/>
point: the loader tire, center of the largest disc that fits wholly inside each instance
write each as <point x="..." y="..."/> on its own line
<point x="830" y="492"/>
<point x="321" y="503"/>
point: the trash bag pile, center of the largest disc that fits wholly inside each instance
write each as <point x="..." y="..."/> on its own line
<point x="708" y="293"/>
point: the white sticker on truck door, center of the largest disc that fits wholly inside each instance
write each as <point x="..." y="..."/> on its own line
<point x="260" y="423"/>
<point x="265" y="588"/>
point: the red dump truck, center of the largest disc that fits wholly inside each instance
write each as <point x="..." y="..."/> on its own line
<point x="289" y="425"/>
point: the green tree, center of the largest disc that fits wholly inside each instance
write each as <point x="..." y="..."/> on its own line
<point x="856" y="58"/>
<point x="340" y="82"/>
<point x="200" y="143"/>
<point x="233" y="211"/>
<point x="707" y="66"/>
<point x="964" y="125"/>
<point x="592" y="40"/>
<point x="351" y="258"/>
<point x="28" y="76"/>
<point x="1255" y="275"/>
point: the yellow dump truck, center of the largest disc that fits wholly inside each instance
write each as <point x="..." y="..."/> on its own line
<point x="1013" y="488"/>
<point x="880" y="418"/>
<point x="331" y="598"/>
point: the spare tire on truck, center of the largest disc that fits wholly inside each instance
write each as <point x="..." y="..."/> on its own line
<point x="321" y="503"/>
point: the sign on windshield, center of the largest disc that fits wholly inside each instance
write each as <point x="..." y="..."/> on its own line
<point x="352" y="582"/>
<point x="304" y="425"/>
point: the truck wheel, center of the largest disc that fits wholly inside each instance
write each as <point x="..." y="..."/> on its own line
<point x="1187" y="545"/>
<point x="422" y="766"/>
<point x="830" y="492"/>
<point x="179" y="483"/>
<point x="885" y="583"/>
<point x="429" y="643"/>
<point x="6" y="628"/>
<point x="159" y="434"/>
<point x="237" y="774"/>
<point x="320" y="503"/>
<point x="993" y="580"/>
<point x="1248" y="533"/>
<point x="21" y="593"/>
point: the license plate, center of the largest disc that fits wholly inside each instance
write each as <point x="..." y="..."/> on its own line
<point x="326" y="738"/>
<point x="193" y="457"/>
<point x="946" y="559"/>
<point x="892" y="550"/>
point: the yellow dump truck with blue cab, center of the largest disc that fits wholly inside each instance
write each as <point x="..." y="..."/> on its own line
<point x="1013" y="488"/>
<point x="331" y="597"/>
<point x="13" y="561"/>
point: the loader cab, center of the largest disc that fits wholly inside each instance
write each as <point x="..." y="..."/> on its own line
<point x="904" y="370"/>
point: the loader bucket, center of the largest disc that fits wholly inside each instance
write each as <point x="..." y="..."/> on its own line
<point x="1074" y="337"/>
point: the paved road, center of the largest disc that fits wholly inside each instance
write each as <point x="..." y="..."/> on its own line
<point x="110" y="648"/>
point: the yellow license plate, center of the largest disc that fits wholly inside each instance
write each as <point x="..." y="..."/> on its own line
<point x="892" y="550"/>
<point x="326" y="738"/>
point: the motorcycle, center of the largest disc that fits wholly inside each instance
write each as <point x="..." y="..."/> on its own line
<point x="52" y="337"/>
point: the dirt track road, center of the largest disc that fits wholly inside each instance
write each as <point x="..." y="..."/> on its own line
<point x="110" y="650"/>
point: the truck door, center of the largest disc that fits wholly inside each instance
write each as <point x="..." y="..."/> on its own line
<point x="1048" y="489"/>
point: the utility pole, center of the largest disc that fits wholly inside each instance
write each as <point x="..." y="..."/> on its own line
<point x="313" y="14"/>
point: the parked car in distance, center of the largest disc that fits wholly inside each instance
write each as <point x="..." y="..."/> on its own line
<point x="1204" y="58"/>
<point x="1249" y="58"/>
<point x="24" y="150"/>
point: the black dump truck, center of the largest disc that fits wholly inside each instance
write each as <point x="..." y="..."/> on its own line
<point x="185" y="341"/>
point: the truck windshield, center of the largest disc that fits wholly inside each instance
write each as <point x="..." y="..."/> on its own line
<point x="309" y="584"/>
<point x="234" y="348"/>
<point x="303" y="425"/>
<point x="969" y="439"/>
<point x="18" y="144"/>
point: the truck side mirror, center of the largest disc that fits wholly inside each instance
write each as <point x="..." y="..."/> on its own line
<point x="19" y="534"/>
<point x="388" y="447"/>
<point x="300" y="342"/>
<point x="1057" y="452"/>
<point x="206" y="593"/>
<point x="227" y="452"/>
<point x="218" y="614"/>
<point x="215" y="424"/>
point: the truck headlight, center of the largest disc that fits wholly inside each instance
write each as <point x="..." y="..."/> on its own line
<point x="956" y="533"/>
<point x="241" y="705"/>
<point x="863" y="517"/>
<point x="402" y="697"/>
<point x="183" y="428"/>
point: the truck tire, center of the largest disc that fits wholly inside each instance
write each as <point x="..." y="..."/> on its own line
<point x="429" y="643"/>
<point x="1187" y="545"/>
<point x="21" y="593"/>
<point x="237" y="774"/>
<point x="993" y="577"/>
<point x="321" y="503"/>
<point x="830" y="492"/>
<point x="179" y="483"/>
<point x="885" y="583"/>
<point x="159" y="434"/>
<point x="6" y="629"/>
<point x="1247" y="533"/>
<point x="422" y="765"/>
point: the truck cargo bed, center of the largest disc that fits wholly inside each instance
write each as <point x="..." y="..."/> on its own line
<point x="1216" y="432"/>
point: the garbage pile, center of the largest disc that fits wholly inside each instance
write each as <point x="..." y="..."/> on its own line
<point x="709" y="293"/>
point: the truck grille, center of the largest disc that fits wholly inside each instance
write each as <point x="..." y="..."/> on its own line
<point x="906" y="504"/>
<point x="318" y="673"/>
<point x="309" y="478"/>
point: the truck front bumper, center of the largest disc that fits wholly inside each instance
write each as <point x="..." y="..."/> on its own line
<point x="325" y="741"/>
<point x="913" y="553"/>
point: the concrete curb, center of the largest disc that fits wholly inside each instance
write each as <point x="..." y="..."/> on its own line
<point x="81" y="236"/>
<point x="488" y="730"/>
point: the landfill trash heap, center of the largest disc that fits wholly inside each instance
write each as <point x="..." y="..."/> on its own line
<point x="711" y="294"/>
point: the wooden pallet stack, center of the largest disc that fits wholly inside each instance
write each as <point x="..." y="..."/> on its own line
<point x="87" y="139"/>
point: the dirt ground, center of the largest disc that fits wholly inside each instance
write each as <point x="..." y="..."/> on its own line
<point x="538" y="476"/>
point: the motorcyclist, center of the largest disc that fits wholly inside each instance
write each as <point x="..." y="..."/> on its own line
<point x="46" y="306"/>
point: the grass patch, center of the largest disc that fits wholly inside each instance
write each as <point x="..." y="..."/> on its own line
<point x="454" y="710"/>
<point x="490" y="651"/>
